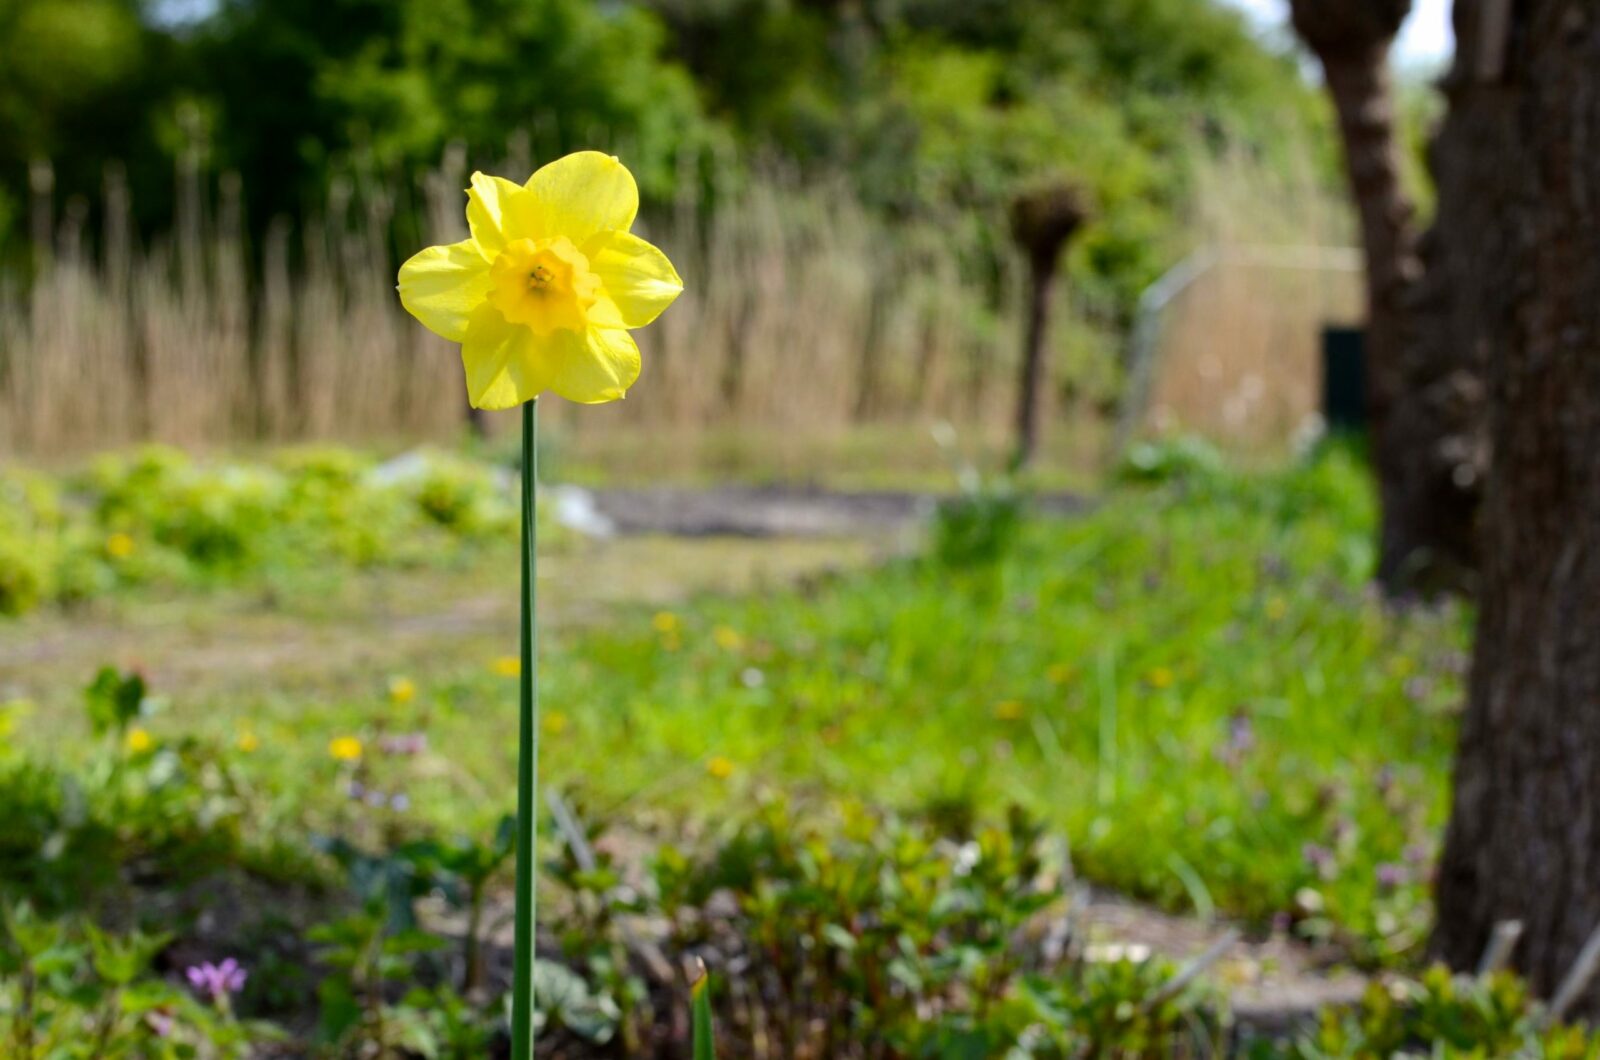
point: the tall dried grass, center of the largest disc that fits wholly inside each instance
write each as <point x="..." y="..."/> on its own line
<point x="801" y="313"/>
<point x="804" y="317"/>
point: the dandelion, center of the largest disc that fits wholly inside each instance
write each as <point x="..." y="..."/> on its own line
<point x="727" y="638"/>
<point x="1008" y="710"/>
<point x="217" y="981"/>
<point x="247" y="742"/>
<point x="543" y="293"/>
<point x="119" y="545"/>
<point x="345" y="748"/>
<point x="507" y="666"/>
<point x="719" y="768"/>
<point x="665" y="622"/>
<point x="402" y="690"/>
<point x="139" y="740"/>
<point x="555" y="723"/>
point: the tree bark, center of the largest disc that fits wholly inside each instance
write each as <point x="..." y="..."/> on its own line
<point x="1351" y="38"/>
<point x="1441" y="408"/>
<point x="1030" y="387"/>
<point x="1524" y="835"/>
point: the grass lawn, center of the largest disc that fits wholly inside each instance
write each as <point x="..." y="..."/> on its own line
<point x="1191" y="684"/>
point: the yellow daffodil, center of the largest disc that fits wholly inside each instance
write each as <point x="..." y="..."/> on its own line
<point x="543" y="293"/>
<point x="402" y="690"/>
<point x="119" y="545"/>
<point x="345" y="748"/>
<point x="507" y="666"/>
<point x="139" y="740"/>
<point x="719" y="767"/>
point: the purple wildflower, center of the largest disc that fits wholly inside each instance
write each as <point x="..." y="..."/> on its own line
<point x="219" y="981"/>
<point x="1389" y="875"/>
<point x="1319" y="857"/>
<point x="399" y="802"/>
<point x="405" y="743"/>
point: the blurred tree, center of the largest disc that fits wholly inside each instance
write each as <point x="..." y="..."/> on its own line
<point x="1425" y="537"/>
<point x="380" y="85"/>
<point x="1043" y="219"/>
<point x="931" y="104"/>
<point x="1443" y="399"/>
<point x="76" y="87"/>
<point x="1524" y="830"/>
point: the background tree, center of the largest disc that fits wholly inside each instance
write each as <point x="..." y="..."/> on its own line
<point x="1352" y="39"/>
<point x="1524" y="835"/>
<point x="1043" y="219"/>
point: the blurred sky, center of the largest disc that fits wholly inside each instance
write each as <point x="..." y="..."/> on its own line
<point x="1427" y="39"/>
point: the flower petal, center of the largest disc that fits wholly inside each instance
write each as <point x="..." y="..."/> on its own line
<point x="441" y="286"/>
<point x="634" y="275"/>
<point x="582" y="194"/>
<point x="498" y="211"/>
<point x="506" y="364"/>
<point x="597" y="366"/>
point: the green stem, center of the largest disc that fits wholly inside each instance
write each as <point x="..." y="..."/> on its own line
<point x="527" y="760"/>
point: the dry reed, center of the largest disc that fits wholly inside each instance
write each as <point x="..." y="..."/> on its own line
<point x="804" y="317"/>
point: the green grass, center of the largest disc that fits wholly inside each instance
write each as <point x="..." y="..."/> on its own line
<point x="1192" y="682"/>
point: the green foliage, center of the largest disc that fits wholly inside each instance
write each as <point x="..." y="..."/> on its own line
<point x="71" y="992"/>
<point x="156" y="517"/>
<point x="1451" y="1016"/>
<point x="1186" y="458"/>
<point x="705" y="1043"/>
<point x="115" y="700"/>
<point x="978" y="527"/>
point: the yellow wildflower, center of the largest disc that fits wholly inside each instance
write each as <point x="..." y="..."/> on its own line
<point x="402" y="690"/>
<point x="345" y="748"/>
<point x="139" y="740"/>
<point x="727" y="638"/>
<point x="719" y="767"/>
<point x="671" y="642"/>
<point x="248" y="742"/>
<point x="1008" y="710"/>
<point x="1160" y="677"/>
<point x="119" y="545"/>
<point x="555" y="723"/>
<point x="1277" y="607"/>
<point x="542" y="294"/>
<point x="1059" y="673"/>
<point x="507" y="666"/>
<point x="665" y="622"/>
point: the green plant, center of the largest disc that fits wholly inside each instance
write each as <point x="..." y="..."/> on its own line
<point x="68" y="990"/>
<point x="1446" y="1015"/>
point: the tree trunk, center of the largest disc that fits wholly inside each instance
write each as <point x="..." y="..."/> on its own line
<point x="1351" y="38"/>
<point x="1440" y="412"/>
<point x="1030" y="387"/>
<point x="1524" y="836"/>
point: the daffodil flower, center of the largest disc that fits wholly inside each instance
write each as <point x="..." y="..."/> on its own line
<point x="542" y="296"/>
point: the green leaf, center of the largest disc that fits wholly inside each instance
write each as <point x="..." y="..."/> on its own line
<point x="705" y="1046"/>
